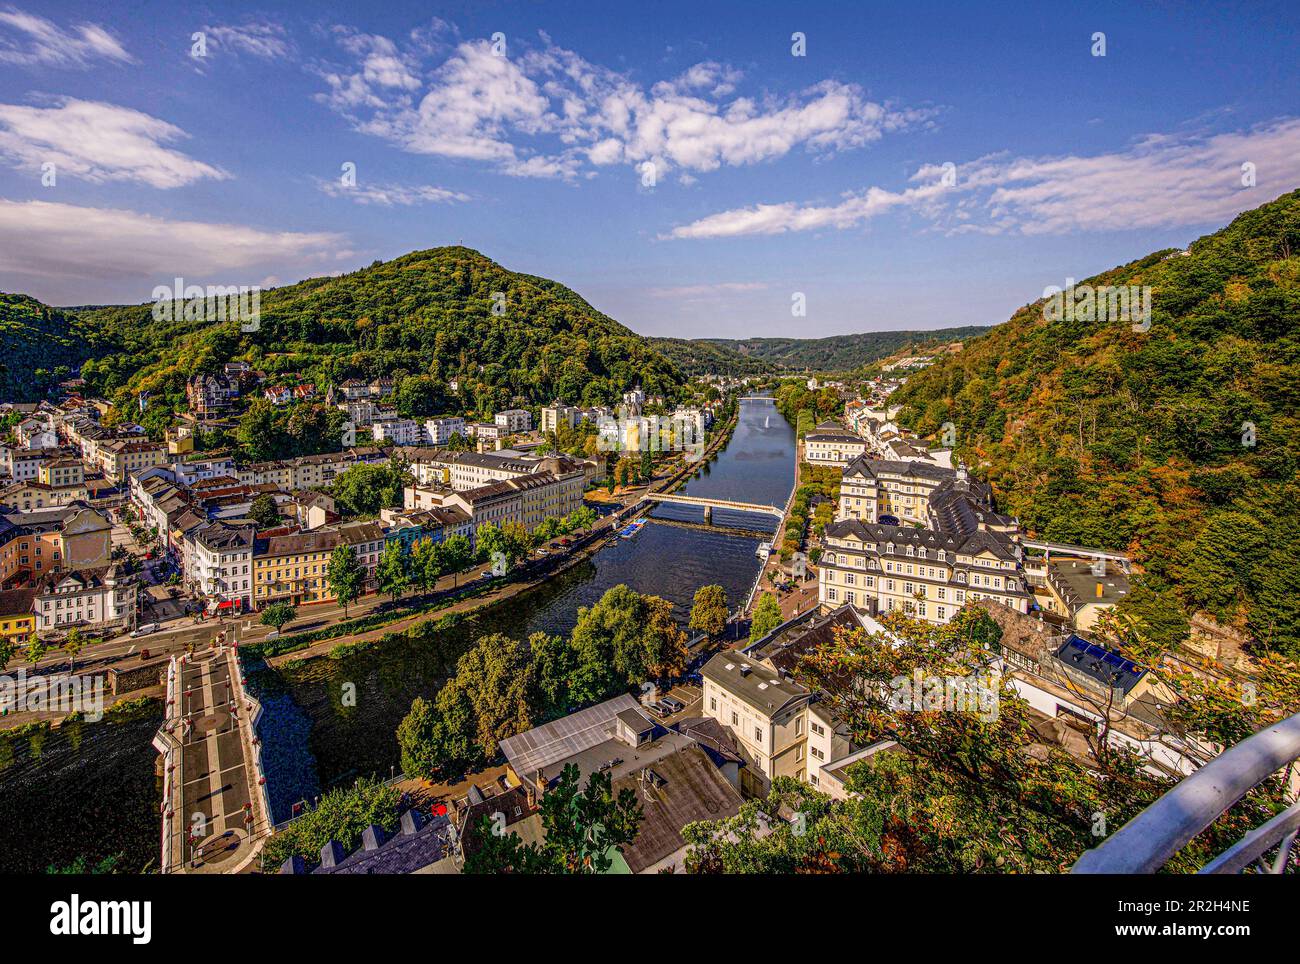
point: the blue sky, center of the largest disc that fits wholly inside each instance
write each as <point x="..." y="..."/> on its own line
<point x="921" y="165"/>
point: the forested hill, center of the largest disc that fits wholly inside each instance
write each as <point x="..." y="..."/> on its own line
<point x="1100" y="435"/>
<point x="747" y="356"/>
<point x="428" y="314"/>
<point x="38" y="345"/>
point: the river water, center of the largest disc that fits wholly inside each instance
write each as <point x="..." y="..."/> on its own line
<point x="92" y="790"/>
<point x="756" y="466"/>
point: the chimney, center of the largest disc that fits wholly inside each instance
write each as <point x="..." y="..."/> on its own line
<point x="294" y="865"/>
<point x="411" y="823"/>
<point x="332" y="854"/>
<point x="372" y="838"/>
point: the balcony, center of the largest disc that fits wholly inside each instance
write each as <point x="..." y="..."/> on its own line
<point x="1147" y="842"/>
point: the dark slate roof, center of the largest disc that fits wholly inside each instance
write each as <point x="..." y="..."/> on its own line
<point x="414" y="846"/>
<point x="871" y="468"/>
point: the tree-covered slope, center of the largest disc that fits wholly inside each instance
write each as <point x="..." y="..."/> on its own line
<point x="1179" y="444"/>
<point x="38" y="345"/>
<point x="428" y="313"/>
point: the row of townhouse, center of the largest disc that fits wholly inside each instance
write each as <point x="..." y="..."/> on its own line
<point x="462" y="471"/>
<point x="294" y="568"/>
<point x="525" y="499"/>
<point x="308" y="471"/>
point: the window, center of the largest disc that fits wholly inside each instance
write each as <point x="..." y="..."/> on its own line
<point x="758" y="734"/>
<point x="735" y="720"/>
<point x="713" y="703"/>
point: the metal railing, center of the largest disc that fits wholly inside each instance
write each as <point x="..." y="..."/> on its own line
<point x="1149" y="840"/>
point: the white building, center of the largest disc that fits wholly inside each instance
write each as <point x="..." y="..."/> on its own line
<point x="557" y="413"/>
<point x="439" y="431"/>
<point x="779" y="724"/>
<point x="514" y="421"/>
<point x="831" y="444"/>
<point x="220" y="557"/>
<point x="95" y="599"/>
<point x="397" y="431"/>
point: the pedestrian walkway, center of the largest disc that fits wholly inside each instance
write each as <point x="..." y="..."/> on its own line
<point x="214" y="802"/>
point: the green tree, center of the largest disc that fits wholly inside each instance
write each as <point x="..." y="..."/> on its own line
<point x="278" y="615"/>
<point x="345" y="576"/>
<point x="580" y="519"/>
<point x="491" y="542"/>
<point x="975" y="790"/>
<point x="264" y="512"/>
<point x="365" y="489"/>
<point x="436" y="737"/>
<point x="391" y="574"/>
<point x="623" y="640"/>
<point x="581" y="831"/>
<point x="426" y="565"/>
<point x="553" y="661"/>
<point x="497" y="676"/>
<point x="518" y="541"/>
<point x="8" y="650"/>
<point x="36" y="650"/>
<point x="457" y="554"/>
<point x="709" y="613"/>
<point x="767" y="616"/>
<point x="74" y="643"/>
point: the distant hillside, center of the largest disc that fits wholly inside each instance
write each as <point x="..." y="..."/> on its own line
<point x="747" y="356"/>
<point x="428" y="313"/>
<point x="1099" y="435"/>
<point x="38" y="346"/>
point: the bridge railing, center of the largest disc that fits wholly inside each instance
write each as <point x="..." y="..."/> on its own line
<point x="1148" y="841"/>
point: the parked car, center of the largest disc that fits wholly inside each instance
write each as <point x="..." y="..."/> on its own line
<point x="673" y="703"/>
<point x="144" y="630"/>
<point x="658" y="709"/>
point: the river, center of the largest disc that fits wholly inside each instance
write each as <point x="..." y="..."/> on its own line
<point x="757" y="466"/>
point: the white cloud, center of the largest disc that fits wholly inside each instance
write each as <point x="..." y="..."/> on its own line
<point x="77" y="246"/>
<point x="98" y="142"/>
<point x="266" y="41"/>
<point x="789" y="216"/>
<point x="32" y="41"/>
<point x="1163" y="180"/>
<point x="548" y="112"/>
<point x="390" y="195"/>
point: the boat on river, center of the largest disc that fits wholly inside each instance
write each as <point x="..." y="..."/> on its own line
<point x="632" y="528"/>
<point x="764" y="550"/>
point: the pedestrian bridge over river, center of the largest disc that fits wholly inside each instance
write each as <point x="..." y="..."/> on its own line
<point x="710" y="504"/>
